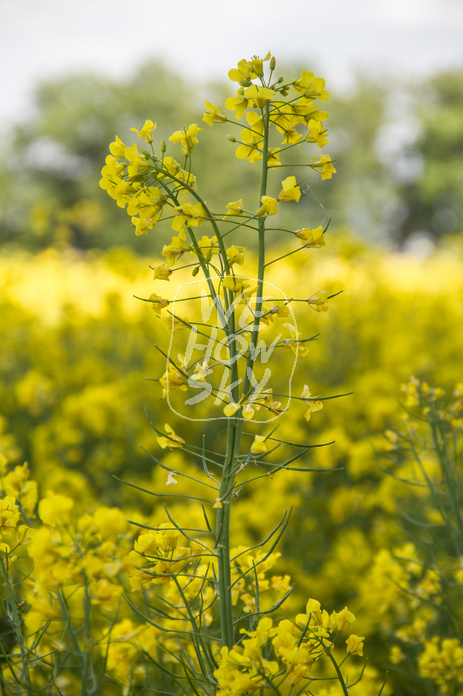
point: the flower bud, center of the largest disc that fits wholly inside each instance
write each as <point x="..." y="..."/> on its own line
<point x="272" y="63"/>
<point x="231" y="138"/>
<point x="163" y="145"/>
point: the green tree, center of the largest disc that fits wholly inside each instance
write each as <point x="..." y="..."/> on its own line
<point x="398" y="157"/>
<point x="51" y="195"/>
<point x="362" y="191"/>
<point x="55" y="158"/>
<point x="432" y="202"/>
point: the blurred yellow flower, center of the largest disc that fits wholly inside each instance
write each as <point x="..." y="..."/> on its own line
<point x="355" y="644"/>
<point x="146" y="131"/>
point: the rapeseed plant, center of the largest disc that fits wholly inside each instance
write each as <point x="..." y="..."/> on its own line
<point x="215" y="607"/>
<point x="73" y="355"/>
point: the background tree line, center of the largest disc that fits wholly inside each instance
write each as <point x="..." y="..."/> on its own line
<point x="398" y="147"/>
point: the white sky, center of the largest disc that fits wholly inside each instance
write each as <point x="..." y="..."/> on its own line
<point x="41" y="39"/>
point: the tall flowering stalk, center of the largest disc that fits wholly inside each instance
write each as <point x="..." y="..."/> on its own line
<point x="225" y="640"/>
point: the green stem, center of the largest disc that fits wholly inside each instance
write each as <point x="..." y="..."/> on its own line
<point x="16" y="621"/>
<point x="223" y="532"/>
<point x="261" y="255"/>
<point x="234" y="434"/>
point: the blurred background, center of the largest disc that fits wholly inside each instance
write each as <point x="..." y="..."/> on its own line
<point x="75" y="74"/>
<point x="77" y="350"/>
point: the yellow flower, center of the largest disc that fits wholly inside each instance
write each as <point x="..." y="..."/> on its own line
<point x="235" y="254"/>
<point x="147" y="202"/>
<point x="172" y="441"/>
<point x="213" y="114"/>
<point x="9" y="514"/>
<point x="284" y="117"/>
<point x="273" y="157"/>
<point x="109" y="522"/>
<point x="290" y="191"/>
<point x="248" y="69"/>
<point x="55" y="509"/>
<point x="292" y="137"/>
<point x="266" y="399"/>
<point x="313" y="405"/>
<point x="236" y="284"/>
<point x="269" y="206"/>
<point x="171" y="165"/>
<point x="311" y="86"/>
<point x="313" y="608"/>
<point x="259" y="446"/>
<point x="187" y="138"/>
<point x="355" y="644"/>
<point x="16" y="484"/>
<point x="250" y="146"/>
<point x="237" y="104"/>
<point x="230" y="409"/>
<point x="343" y="618"/>
<point x="242" y="72"/>
<point x="190" y="215"/>
<point x="173" y="378"/>
<point x="201" y="372"/>
<point x="208" y="247"/>
<point x="311" y="238"/>
<point x="324" y="165"/>
<point x="256" y="122"/>
<point x="105" y="593"/>
<point x="146" y="131"/>
<point x="175" y="249"/>
<point x="318" y="301"/>
<point x="316" y="133"/>
<point x="157" y="301"/>
<point x="162" y="272"/>
<point x="259" y="95"/>
<point x="235" y="208"/>
<point x="396" y="655"/>
<point x="117" y="148"/>
<point x="141" y="226"/>
<point x="137" y="161"/>
<point x="249" y="409"/>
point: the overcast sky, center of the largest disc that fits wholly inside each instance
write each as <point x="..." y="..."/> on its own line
<point x="42" y="39"/>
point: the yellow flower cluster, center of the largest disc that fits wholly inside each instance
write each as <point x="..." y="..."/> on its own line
<point x="250" y="580"/>
<point x="291" y="108"/>
<point x="442" y="662"/>
<point x="294" y="646"/>
<point x="77" y="566"/>
<point x="127" y="178"/>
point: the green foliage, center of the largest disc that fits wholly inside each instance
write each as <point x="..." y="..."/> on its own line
<point x="432" y="201"/>
<point x="390" y="187"/>
<point x="56" y="156"/>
